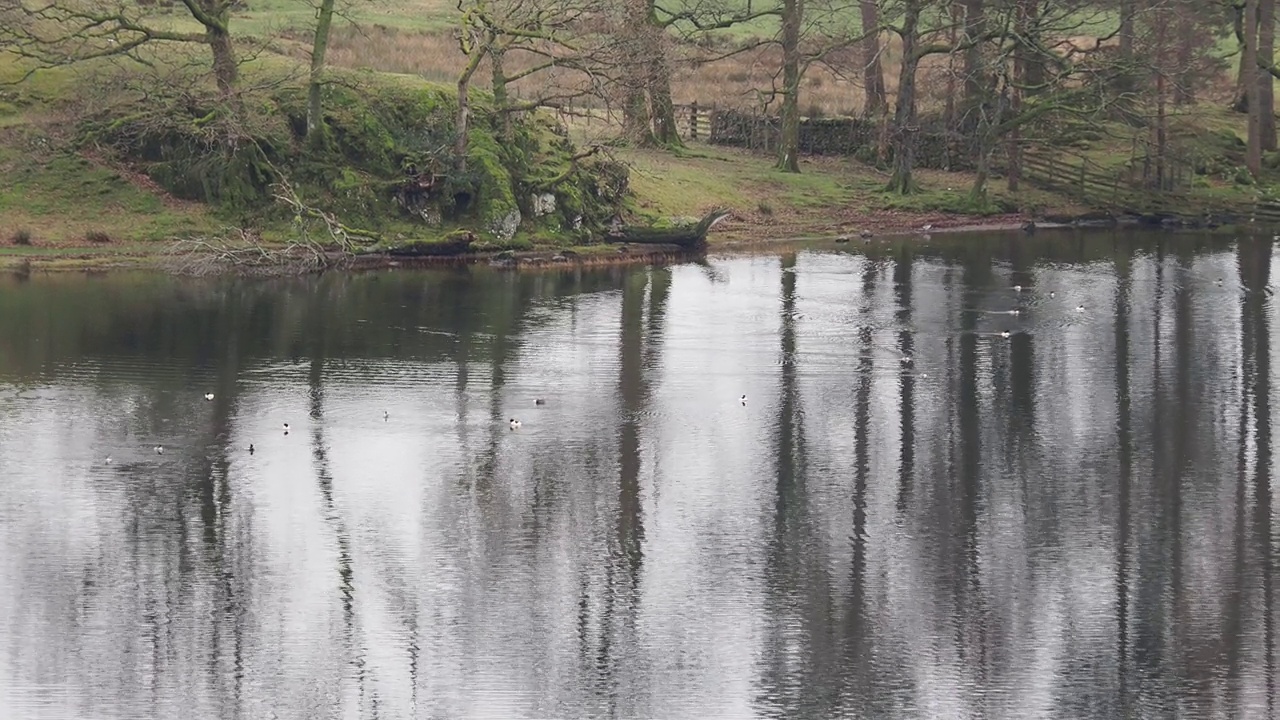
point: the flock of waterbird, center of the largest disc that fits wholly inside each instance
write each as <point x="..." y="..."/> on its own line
<point x="516" y="424"/>
<point x="386" y="417"/>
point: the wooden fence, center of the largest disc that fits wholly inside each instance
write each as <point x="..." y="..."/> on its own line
<point x="693" y="121"/>
<point x="1141" y="186"/>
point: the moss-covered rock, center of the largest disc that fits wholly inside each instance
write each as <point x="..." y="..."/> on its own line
<point x="385" y="162"/>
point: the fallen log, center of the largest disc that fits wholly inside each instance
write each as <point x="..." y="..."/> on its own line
<point x="686" y="237"/>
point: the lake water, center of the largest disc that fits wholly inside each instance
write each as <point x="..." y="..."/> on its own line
<point x="1076" y="521"/>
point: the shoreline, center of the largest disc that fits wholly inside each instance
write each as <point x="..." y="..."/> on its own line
<point x="737" y="237"/>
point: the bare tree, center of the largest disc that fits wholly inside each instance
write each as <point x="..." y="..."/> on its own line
<point x="57" y="32"/>
<point x="562" y="58"/>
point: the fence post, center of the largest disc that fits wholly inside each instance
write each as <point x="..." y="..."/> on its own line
<point x="693" y="121"/>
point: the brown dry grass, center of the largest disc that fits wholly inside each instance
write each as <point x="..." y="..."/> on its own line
<point x="744" y="81"/>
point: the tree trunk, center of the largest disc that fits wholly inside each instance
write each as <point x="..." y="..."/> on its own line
<point x="1124" y="79"/>
<point x="1033" y="70"/>
<point x="1249" y="56"/>
<point x="636" y="122"/>
<point x="789" y="142"/>
<point x="643" y="43"/>
<point x="876" y="102"/>
<point x="1266" y="85"/>
<point x="498" y="79"/>
<point x="1241" y="104"/>
<point x="665" y="130"/>
<point x="315" y="120"/>
<point x="904" y="115"/>
<point x="949" y="114"/>
<point x="477" y="47"/>
<point x="225" y="69"/>
<point x="1184" y="87"/>
<point x="1160" y="129"/>
<point x="975" y="74"/>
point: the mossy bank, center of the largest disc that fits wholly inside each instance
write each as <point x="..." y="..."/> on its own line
<point x="103" y="154"/>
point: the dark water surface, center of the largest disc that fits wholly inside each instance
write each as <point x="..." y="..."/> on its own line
<point x="1077" y="521"/>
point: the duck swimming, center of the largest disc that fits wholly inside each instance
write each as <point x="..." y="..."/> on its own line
<point x="208" y="396"/>
<point x="159" y="449"/>
<point x="743" y="399"/>
<point x="250" y="448"/>
<point x="1079" y="308"/>
<point x="539" y="401"/>
<point x="286" y="428"/>
<point x="515" y="424"/>
<point x="1004" y="334"/>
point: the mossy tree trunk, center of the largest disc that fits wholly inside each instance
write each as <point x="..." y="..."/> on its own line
<point x="315" y="118"/>
<point x="665" y="130"/>
<point x="215" y="16"/>
<point x="904" y="115"/>
<point x="498" y="81"/>
<point x="661" y="105"/>
<point x="476" y="43"/>
<point x="648" y="111"/>
<point x="225" y="70"/>
<point x="789" y="142"/>
<point x="639" y="49"/>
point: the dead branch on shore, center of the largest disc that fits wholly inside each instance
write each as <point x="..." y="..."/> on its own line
<point x="320" y="241"/>
<point x="243" y="251"/>
<point x="346" y="238"/>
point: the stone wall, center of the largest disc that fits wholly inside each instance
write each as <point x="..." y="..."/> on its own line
<point x="935" y="148"/>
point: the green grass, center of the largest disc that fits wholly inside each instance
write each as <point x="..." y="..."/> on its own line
<point x="63" y="196"/>
<point x="267" y="17"/>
